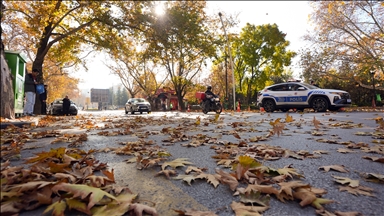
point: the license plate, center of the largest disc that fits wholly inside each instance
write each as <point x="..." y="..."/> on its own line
<point x="349" y="100"/>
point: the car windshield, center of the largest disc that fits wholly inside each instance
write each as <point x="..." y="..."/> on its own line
<point x="140" y="100"/>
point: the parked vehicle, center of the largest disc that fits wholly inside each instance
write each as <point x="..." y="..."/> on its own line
<point x="285" y="96"/>
<point x="137" y="105"/>
<point x="213" y="105"/>
<point x="56" y="108"/>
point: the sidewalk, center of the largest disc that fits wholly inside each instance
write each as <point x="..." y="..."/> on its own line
<point x="20" y="122"/>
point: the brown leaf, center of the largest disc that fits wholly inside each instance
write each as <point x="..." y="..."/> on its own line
<point x="110" y="175"/>
<point x="305" y="195"/>
<point x="167" y="173"/>
<point x="344" y="180"/>
<point x="140" y="208"/>
<point x="228" y="179"/>
<point x="362" y="190"/>
<point x="339" y="213"/>
<point x="191" y="212"/>
<point x="194" y="169"/>
<point x="31" y="185"/>
<point x="241" y="209"/>
<point x="176" y="163"/>
<point x="343" y="150"/>
<point x="339" y="168"/>
<point x="316" y="123"/>
<point x="236" y="135"/>
<point x="376" y="159"/>
<point x="267" y="189"/>
<point x="287" y="188"/>
<point x="210" y="178"/>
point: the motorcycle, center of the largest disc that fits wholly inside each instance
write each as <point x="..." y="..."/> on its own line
<point x="213" y="105"/>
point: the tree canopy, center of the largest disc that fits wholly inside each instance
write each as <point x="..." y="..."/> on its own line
<point x="348" y="41"/>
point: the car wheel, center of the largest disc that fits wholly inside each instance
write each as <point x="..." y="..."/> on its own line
<point x="126" y="111"/>
<point x="269" y="105"/>
<point x="141" y="112"/>
<point x="319" y="104"/>
<point x="132" y="112"/>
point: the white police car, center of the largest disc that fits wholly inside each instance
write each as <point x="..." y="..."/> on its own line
<point x="285" y="96"/>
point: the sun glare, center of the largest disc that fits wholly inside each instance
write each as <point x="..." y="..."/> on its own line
<point x="159" y="8"/>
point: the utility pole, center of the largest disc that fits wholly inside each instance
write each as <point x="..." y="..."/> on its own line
<point x="231" y="63"/>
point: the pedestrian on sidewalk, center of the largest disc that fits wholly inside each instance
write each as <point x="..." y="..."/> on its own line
<point x="43" y="99"/>
<point x="66" y="105"/>
<point x="30" y="92"/>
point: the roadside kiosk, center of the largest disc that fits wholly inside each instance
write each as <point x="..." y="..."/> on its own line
<point x="17" y="65"/>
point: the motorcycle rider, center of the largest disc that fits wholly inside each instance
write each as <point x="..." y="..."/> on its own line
<point x="209" y="96"/>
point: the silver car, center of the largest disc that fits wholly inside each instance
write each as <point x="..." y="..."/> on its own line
<point x="137" y="105"/>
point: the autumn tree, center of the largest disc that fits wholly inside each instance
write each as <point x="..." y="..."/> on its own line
<point x="347" y="42"/>
<point x="64" y="28"/>
<point x="181" y="40"/>
<point x="260" y="52"/>
<point x="136" y="71"/>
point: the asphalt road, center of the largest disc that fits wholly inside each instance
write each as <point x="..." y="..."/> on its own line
<point x="171" y="194"/>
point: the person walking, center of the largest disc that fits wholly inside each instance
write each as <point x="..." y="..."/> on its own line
<point x="30" y="92"/>
<point x="43" y="99"/>
<point x="66" y="105"/>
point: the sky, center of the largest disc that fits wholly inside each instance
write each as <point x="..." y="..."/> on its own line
<point x="290" y="16"/>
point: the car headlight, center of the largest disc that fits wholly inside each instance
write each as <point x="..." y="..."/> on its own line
<point x="336" y="93"/>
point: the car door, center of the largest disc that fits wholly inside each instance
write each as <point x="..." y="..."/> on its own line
<point x="298" y="95"/>
<point x="279" y="93"/>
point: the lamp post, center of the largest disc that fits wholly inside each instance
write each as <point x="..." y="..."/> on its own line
<point x="374" y="90"/>
<point x="231" y="63"/>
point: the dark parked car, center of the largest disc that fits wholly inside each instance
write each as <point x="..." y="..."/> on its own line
<point x="137" y="105"/>
<point x="56" y="108"/>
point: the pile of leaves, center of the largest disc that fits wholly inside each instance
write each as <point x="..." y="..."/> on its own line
<point x="66" y="179"/>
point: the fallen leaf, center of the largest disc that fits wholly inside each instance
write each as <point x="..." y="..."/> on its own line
<point x="228" y="179"/>
<point x="339" y="168"/>
<point x="375" y="159"/>
<point x="167" y="173"/>
<point x="179" y="162"/>
<point x="345" y="180"/>
<point x="362" y="190"/>
<point x="140" y="208"/>
<point x="241" y="209"/>
<point x="210" y="178"/>
<point x="83" y="191"/>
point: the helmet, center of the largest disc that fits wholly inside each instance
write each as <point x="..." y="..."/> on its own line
<point x="209" y="88"/>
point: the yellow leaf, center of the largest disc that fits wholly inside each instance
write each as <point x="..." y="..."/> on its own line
<point x="78" y="205"/>
<point x="197" y="120"/>
<point x="273" y="123"/>
<point x="288" y="118"/>
<point x="83" y="191"/>
<point x="57" y="208"/>
<point x="248" y="161"/>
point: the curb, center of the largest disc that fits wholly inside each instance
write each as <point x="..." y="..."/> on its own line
<point x="20" y="124"/>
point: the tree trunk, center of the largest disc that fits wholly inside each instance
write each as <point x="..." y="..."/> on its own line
<point x="7" y="109"/>
<point x="38" y="64"/>
<point x="180" y="100"/>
